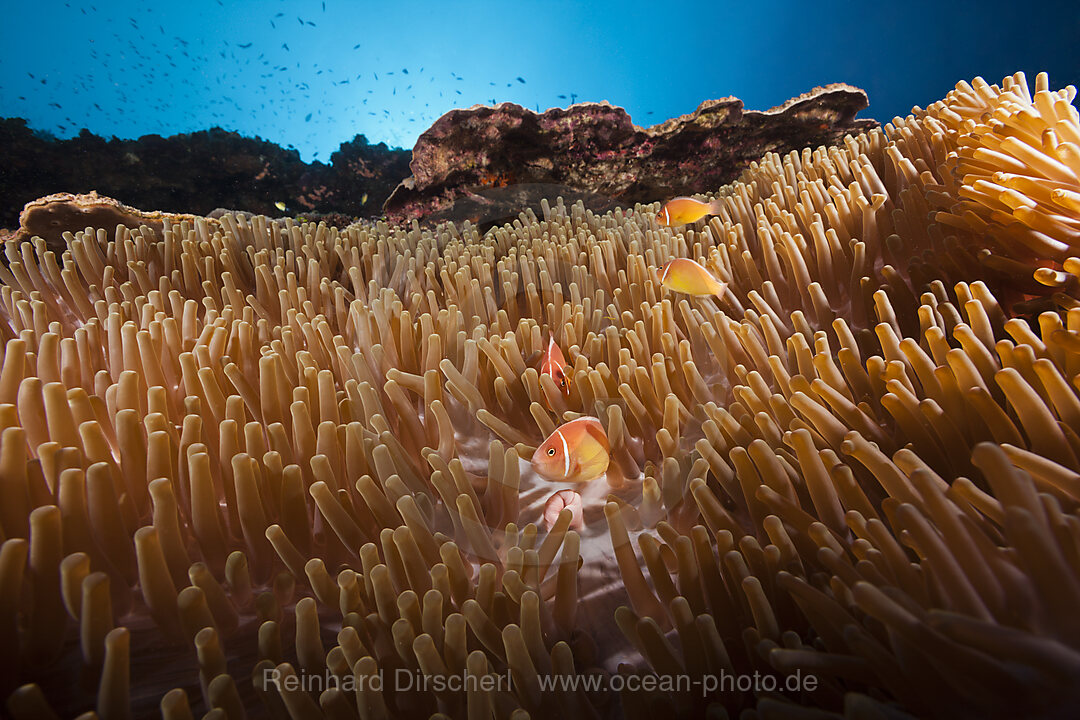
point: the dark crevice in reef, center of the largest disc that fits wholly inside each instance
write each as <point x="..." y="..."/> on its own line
<point x="197" y="173"/>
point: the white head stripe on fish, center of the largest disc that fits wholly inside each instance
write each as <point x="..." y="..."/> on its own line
<point x="667" y="269"/>
<point x="566" y="453"/>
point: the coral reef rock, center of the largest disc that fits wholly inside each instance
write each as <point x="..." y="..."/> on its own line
<point x="593" y="149"/>
<point x="196" y="172"/>
<point x="51" y="216"/>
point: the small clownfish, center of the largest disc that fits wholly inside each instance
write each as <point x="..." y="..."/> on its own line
<point x="684" y="210"/>
<point x="554" y="364"/>
<point x="577" y="451"/>
<point x="686" y="276"/>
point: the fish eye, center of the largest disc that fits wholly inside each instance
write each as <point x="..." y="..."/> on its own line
<point x="551" y="452"/>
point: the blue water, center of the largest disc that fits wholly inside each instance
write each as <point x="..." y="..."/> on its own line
<point x="309" y="74"/>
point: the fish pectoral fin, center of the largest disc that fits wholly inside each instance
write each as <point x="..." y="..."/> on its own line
<point x="591" y="463"/>
<point x="596" y="431"/>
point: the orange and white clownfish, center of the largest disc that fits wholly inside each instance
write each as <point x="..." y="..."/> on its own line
<point x="685" y="210"/>
<point x="687" y="276"/>
<point x="554" y="364"/>
<point x="577" y="451"/>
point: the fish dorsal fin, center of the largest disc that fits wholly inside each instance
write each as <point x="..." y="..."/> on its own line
<point x="596" y="430"/>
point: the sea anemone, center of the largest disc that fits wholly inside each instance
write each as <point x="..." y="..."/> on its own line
<point x="248" y="463"/>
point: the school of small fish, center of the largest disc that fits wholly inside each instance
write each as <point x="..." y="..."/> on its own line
<point x="259" y="82"/>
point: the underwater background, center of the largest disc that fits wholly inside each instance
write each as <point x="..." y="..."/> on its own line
<point x="311" y="75"/>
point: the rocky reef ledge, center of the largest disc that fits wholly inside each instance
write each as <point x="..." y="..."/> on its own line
<point x="487" y="162"/>
<point x="483" y="164"/>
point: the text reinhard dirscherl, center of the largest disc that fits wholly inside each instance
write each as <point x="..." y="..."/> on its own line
<point x="405" y="680"/>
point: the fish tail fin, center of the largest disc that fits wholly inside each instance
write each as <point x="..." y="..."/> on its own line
<point x="713" y="267"/>
<point x="721" y="291"/>
<point x="716" y="206"/>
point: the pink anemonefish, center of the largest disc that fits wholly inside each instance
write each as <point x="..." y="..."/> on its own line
<point x="687" y="276"/>
<point x="577" y="451"/>
<point x="554" y="364"/>
<point x="685" y="210"/>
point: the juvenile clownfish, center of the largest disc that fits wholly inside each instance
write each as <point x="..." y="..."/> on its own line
<point x="577" y="451"/>
<point x="554" y="364"/>
<point x="685" y="210"/>
<point x="686" y="276"/>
